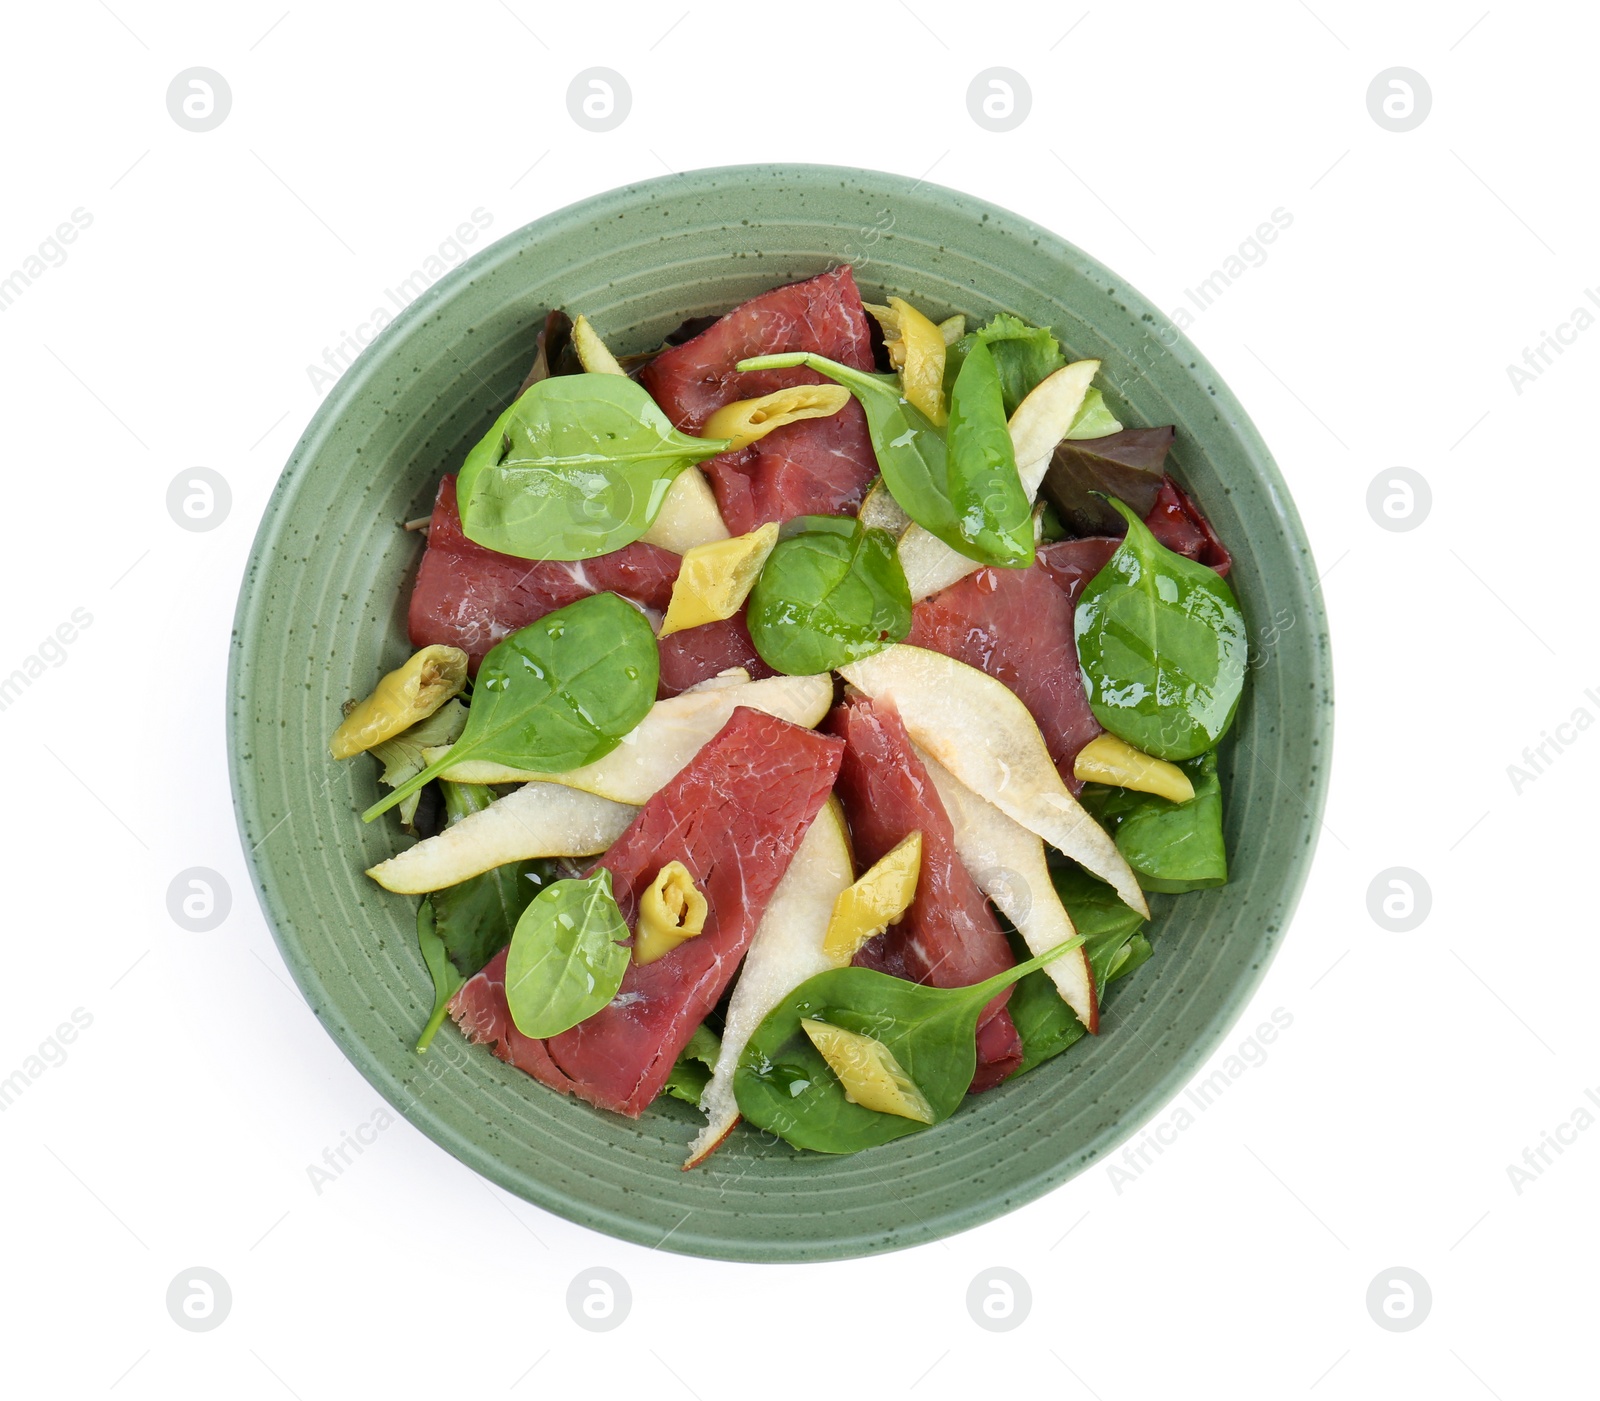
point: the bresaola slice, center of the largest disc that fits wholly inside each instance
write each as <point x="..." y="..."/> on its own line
<point x="949" y="937"/>
<point x="469" y="597"/>
<point x="1016" y="625"/>
<point x="819" y="466"/>
<point x="697" y="654"/>
<point x="734" y="817"/>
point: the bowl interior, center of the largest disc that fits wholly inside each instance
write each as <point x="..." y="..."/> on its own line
<point x="322" y="614"/>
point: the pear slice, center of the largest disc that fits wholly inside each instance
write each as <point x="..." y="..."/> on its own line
<point x="1008" y="863"/>
<point x="980" y="731"/>
<point x="689" y="516"/>
<point x="670" y="735"/>
<point x="1040" y="422"/>
<point x="593" y="353"/>
<point x="540" y="819"/>
<point x="786" y="950"/>
<point x="879" y="510"/>
<point x="867" y="1069"/>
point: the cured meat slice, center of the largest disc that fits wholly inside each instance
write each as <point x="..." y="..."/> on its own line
<point x="469" y="597"/>
<point x="819" y="466"/>
<point x="949" y="937"/>
<point x="697" y="654"/>
<point x="1016" y="625"/>
<point x="1072" y="563"/>
<point x="734" y="818"/>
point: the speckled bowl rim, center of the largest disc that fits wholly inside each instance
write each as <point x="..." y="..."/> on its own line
<point x="988" y="1202"/>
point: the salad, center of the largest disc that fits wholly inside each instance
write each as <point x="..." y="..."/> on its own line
<point x="800" y="714"/>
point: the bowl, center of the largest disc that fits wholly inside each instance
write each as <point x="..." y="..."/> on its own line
<point x="321" y="614"/>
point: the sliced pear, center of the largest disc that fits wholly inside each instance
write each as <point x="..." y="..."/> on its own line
<point x="870" y="1074"/>
<point x="1040" y="422"/>
<point x="880" y="510"/>
<point x="671" y="910"/>
<point x="688" y="517"/>
<point x="733" y="676"/>
<point x="786" y="950"/>
<point x="880" y="898"/>
<point x="540" y="819"/>
<point x="592" y="352"/>
<point x="668" y="737"/>
<point x="1008" y="863"/>
<point x="980" y="731"/>
<point x="714" y="580"/>
<point x="1107" y="759"/>
<point x="952" y="328"/>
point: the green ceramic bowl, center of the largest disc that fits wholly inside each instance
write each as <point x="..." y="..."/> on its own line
<point x="322" y="613"/>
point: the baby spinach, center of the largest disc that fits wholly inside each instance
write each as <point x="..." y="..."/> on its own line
<point x="1111" y="934"/>
<point x="1172" y="847"/>
<point x="984" y="485"/>
<point x="566" y="960"/>
<point x="831" y="592"/>
<point x="577" y="467"/>
<point x="912" y="456"/>
<point x="783" y="1084"/>
<point x="1023" y="356"/>
<point x="1094" y="418"/>
<point x="559" y="694"/>
<point x="446" y="980"/>
<point x="475" y="919"/>
<point x="691" y="1072"/>
<point x="1163" y="647"/>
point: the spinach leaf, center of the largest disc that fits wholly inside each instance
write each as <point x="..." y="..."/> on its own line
<point x="1045" y="1023"/>
<point x="446" y="980"/>
<point x="832" y="591"/>
<point x="1163" y="647"/>
<point x="912" y="456"/>
<point x="566" y="960"/>
<point x="559" y="694"/>
<point x="476" y="918"/>
<point x="1023" y="355"/>
<point x="692" y="1072"/>
<point x="784" y="1085"/>
<point x="984" y="485"/>
<point x="577" y="467"/>
<point x="1172" y="847"/>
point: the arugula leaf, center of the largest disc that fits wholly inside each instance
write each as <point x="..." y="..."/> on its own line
<point x="692" y="1071"/>
<point x="476" y="918"/>
<point x="577" y="467"/>
<point x="1172" y="847"/>
<point x="446" y="980"/>
<point x="559" y="694"/>
<point x="784" y="1085"/>
<point x="832" y="591"/>
<point x="985" y="489"/>
<point x="1163" y="647"/>
<point x="1023" y="355"/>
<point x="567" y="959"/>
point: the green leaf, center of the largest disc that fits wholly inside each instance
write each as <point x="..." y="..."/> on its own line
<point x="912" y="456"/>
<point x="1163" y="647"/>
<point x="1023" y="355"/>
<point x="1045" y="1023"/>
<point x="831" y="592"/>
<point x="559" y="694"/>
<point x="1172" y="847"/>
<point x="784" y="1085"/>
<point x="401" y="756"/>
<point x="446" y="980"/>
<point x="476" y="918"/>
<point x="1094" y="419"/>
<point x="692" y="1071"/>
<point x="567" y="959"/>
<point x="577" y="467"/>
<point x="985" y="489"/>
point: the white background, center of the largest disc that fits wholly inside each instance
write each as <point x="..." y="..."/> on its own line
<point x="1377" y="1133"/>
